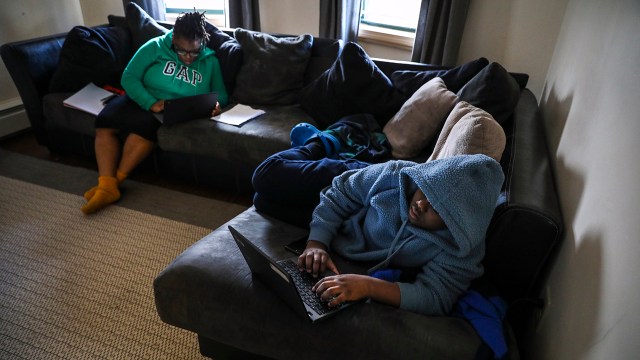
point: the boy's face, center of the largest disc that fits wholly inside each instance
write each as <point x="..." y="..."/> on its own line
<point x="421" y="213"/>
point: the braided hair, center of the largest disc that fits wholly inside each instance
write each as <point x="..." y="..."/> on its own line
<point x="191" y="26"/>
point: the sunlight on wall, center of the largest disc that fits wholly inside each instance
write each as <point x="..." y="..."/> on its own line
<point x="590" y="104"/>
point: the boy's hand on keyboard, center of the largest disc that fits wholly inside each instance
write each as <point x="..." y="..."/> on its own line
<point x="338" y="289"/>
<point x="315" y="259"/>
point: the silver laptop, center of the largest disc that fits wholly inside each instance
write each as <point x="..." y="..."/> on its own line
<point x="187" y="108"/>
<point x="286" y="280"/>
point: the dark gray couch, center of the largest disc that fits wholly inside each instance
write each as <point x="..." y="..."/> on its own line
<point x="200" y="151"/>
<point x="208" y="289"/>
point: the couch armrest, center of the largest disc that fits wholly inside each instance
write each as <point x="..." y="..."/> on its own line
<point x="31" y="64"/>
<point x="527" y="225"/>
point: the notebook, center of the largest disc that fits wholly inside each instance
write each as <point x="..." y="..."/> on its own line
<point x="286" y="280"/>
<point x="187" y="108"/>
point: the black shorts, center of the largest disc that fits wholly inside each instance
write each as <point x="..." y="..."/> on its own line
<point x="126" y="115"/>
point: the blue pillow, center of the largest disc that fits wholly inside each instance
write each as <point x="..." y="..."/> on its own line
<point x="97" y="55"/>
<point x="229" y="54"/>
<point x="142" y="26"/>
<point x="493" y="90"/>
<point x="353" y="85"/>
<point x="409" y="81"/>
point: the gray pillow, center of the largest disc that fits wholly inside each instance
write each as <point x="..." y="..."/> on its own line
<point x="469" y="130"/>
<point x="416" y="123"/>
<point x="273" y="68"/>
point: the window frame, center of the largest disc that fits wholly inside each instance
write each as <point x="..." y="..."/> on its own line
<point x="388" y="35"/>
<point x="217" y="17"/>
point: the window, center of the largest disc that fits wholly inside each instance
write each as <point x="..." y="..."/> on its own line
<point x="215" y="10"/>
<point x="389" y="22"/>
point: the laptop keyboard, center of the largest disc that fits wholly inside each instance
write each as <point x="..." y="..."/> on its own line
<point x="304" y="282"/>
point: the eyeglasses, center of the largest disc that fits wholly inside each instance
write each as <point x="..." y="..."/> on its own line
<point x="182" y="52"/>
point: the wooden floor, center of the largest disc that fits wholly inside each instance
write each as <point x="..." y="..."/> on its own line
<point x="25" y="143"/>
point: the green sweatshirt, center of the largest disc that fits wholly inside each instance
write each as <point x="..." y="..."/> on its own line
<point x="156" y="73"/>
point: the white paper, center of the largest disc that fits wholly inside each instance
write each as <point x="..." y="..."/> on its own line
<point x="89" y="98"/>
<point x="238" y="115"/>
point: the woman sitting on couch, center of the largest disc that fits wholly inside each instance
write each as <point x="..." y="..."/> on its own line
<point x="170" y="66"/>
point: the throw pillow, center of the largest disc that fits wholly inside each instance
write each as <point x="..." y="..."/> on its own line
<point x="142" y="26"/>
<point x="409" y="81"/>
<point x="97" y="55"/>
<point x="469" y="130"/>
<point x="272" y="70"/>
<point x="352" y="85"/>
<point x="229" y="54"/>
<point x="494" y="90"/>
<point x="411" y="128"/>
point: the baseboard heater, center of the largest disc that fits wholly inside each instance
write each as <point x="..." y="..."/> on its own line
<point x="13" y="118"/>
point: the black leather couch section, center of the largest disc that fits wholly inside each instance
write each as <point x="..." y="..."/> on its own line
<point x="31" y="64"/>
<point x="208" y="289"/>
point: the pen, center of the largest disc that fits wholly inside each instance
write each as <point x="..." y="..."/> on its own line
<point x="105" y="100"/>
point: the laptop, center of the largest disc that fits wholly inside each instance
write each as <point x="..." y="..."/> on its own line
<point x="187" y="108"/>
<point x="286" y="280"/>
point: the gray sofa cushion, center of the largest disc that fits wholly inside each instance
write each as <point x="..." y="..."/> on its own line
<point x="249" y="144"/>
<point x="273" y="68"/>
<point x="58" y="115"/>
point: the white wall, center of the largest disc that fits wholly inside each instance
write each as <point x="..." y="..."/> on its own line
<point x="518" y="34"/>
<point x="591" y="106"/>
<point x="25" y="19"/>
<point x="94" y="12"/>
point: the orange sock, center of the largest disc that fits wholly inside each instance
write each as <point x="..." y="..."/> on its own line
<point x="89" y="193"/>
<point x="106" y="194"/>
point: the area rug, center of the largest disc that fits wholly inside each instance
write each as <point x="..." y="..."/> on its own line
<point x="177" y="205"/>
<point x="80" y="287"/>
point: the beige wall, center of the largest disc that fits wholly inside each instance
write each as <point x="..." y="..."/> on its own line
<point x="519" y="34"/>
<point x="591" y="108"/>
<point x="94" y="12"/>
<point x="25" y="19"/>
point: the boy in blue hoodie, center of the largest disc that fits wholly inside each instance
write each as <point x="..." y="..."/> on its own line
<point x="426" y="218"/>
<point x="170" y="66"/>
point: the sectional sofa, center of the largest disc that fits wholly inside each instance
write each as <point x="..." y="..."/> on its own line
<point x="209" y="289"/>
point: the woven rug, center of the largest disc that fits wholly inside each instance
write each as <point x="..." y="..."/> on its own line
<point x="80" y="287"/>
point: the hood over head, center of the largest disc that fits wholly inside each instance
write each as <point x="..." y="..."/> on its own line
<point x="463" y="190"/>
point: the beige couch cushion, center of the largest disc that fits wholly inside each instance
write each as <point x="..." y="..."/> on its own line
<point x="469" y="130"/>
<point x="414" y="125"/>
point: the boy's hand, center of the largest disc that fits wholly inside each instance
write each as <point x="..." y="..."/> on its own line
<point x="315" y="259"/>
<point x="339" y="289"/>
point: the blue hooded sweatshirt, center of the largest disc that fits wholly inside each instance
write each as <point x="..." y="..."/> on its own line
<point x="363" y="216"/>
